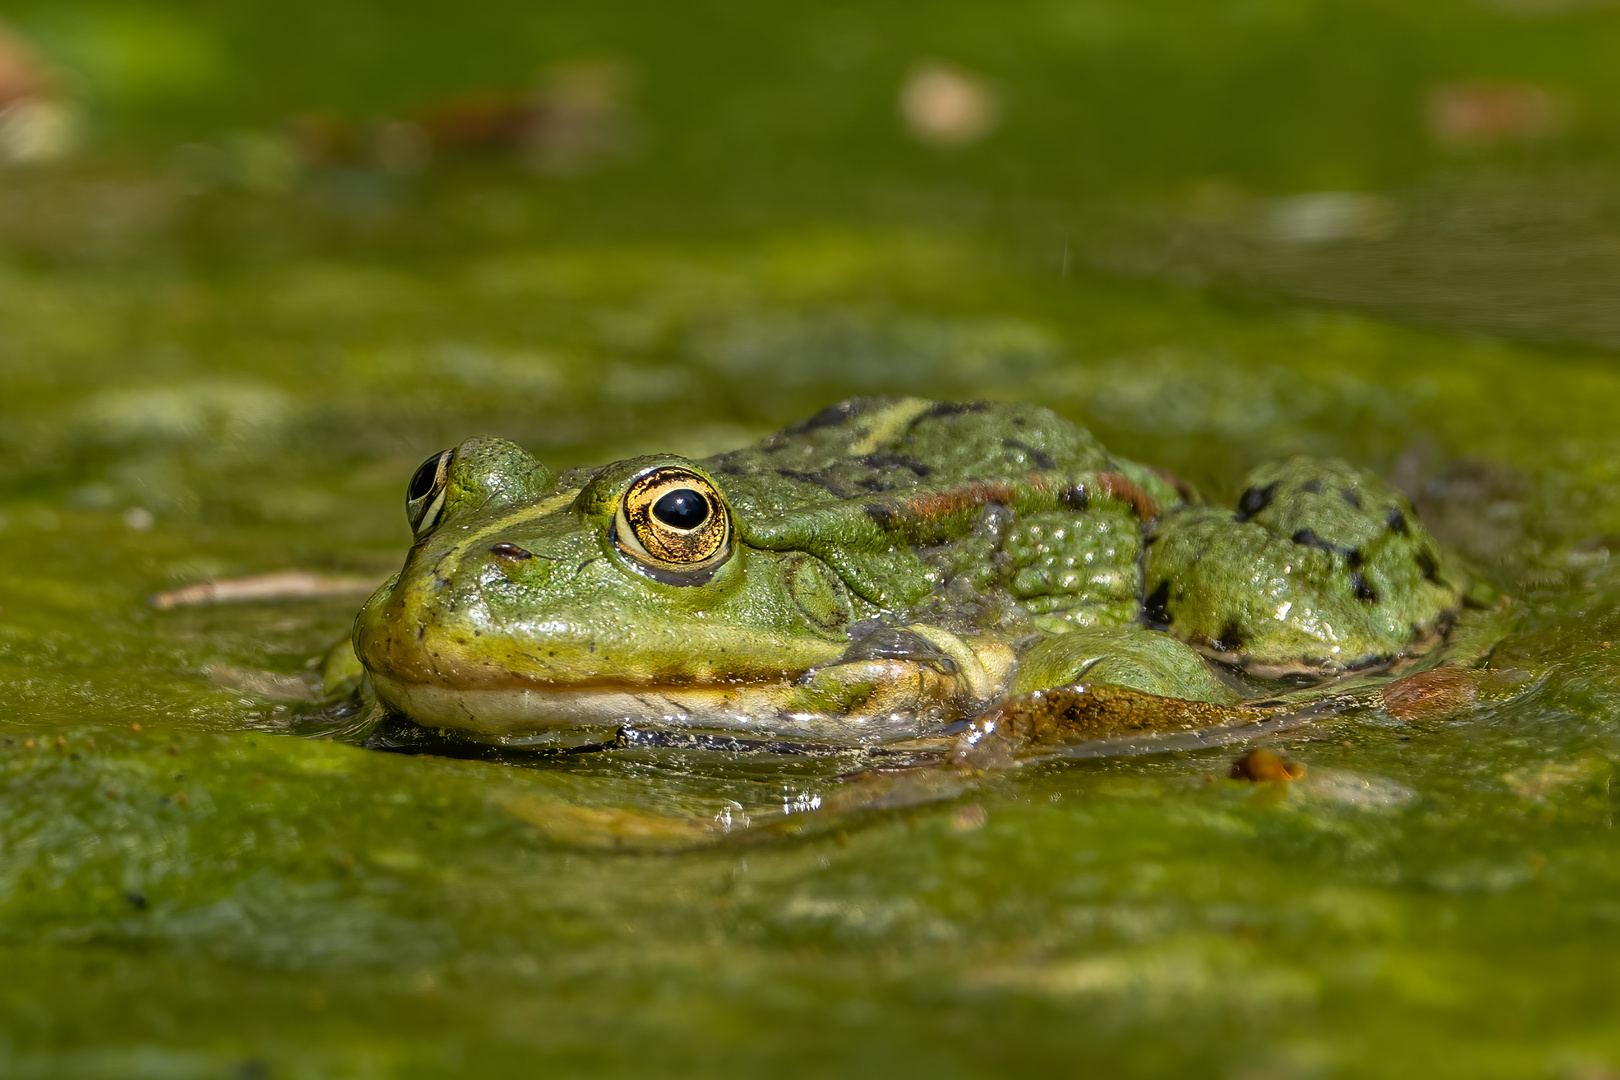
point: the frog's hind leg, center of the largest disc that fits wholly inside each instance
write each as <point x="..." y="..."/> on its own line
<point x="1127" y="656"/>
<point x="1126" y="691"/>
<point x="1321" y="569"/>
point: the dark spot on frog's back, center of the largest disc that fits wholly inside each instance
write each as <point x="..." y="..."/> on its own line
<point x="820" y="480"/>
<point x="833" y="415"/>
<point x="1350" y="496"/>
<point x="1231" y="639"/>
<point x="875" y="484"/>
<point x="1308" y="538"/>
<point x="1428" y="565"/>
<point x="886" y="460"/>
<point x="951" y="408"/>
<point x="1362" y="588"/>
<point x="1313" y="485"/>
<point x="1074" y="498"/>
<point x="1254" y="500"/>
<point x="1156" y="607"/>
<point x="1397" y="522"/>
<point x="885" y="514"/>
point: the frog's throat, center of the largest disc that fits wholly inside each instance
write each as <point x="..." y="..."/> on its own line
<point x="905" y="706"/>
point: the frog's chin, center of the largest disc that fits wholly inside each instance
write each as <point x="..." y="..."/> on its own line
<point x="758" y="708"/>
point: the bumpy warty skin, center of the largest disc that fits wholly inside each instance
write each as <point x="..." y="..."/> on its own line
<point x="885" y="554"/>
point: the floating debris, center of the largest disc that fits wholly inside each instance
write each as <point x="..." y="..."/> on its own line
<point x="286" y="585"/>
<point x="944" y="104"/>
<point x="1481" y="113"/>
<point x="1323" y="216"/>
<point x="38" y="122"/>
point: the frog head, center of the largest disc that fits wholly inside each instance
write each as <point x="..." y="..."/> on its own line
<point x="531" y="601"/>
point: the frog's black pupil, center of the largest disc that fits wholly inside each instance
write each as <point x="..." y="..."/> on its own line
<point x="422" y="479"/>
<point x="682" y="508"/>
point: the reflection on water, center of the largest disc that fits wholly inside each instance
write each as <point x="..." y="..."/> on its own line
<point x="1518" y="253"/>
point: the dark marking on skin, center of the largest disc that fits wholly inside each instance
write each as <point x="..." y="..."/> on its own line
<point x="1397" y="522"/>
<point x="874" y="485"/>
<point x="1156" y="607"/>
<point x="1353" y="558"/>
<point x="820" y="480"/>
<point x="1231" y="639"/>
<point x="886" y="460"/>
<point x="1351" y="496"/>
<point x="831" y="416"/>
<point x="1254" y="500"/>
<point x="1118" y="486"/>
<point x="1074" y="498"/>
<point x="949" y="408"/>
<point x="1313" y="485"/>
<point x="887" y="515"/>
<point x="512" y="552"/>
<point x="1308" y="538"/>
<point x="1041" y="459"/>
<point x="1363" y="590"/>
<point x="1429" y="565"/>
<point x="578" y="569"/>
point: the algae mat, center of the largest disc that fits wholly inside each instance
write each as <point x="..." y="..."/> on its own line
<point x="213" y="896"/>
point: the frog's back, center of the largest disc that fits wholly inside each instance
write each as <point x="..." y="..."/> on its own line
<point x="1014" y="516"/>
<point x="977" y="514"/>
<point x="872" y="446"/>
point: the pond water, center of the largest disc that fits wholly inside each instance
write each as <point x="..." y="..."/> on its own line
<point x="227" y="338"/>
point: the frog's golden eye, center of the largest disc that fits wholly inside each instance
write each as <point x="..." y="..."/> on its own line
<point x="424" y="497"/>
<point x="673" y="520"/>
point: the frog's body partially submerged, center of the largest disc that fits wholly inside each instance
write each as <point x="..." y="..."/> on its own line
<point x="877" y="572"/>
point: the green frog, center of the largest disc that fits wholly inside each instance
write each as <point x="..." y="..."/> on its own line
<point x="885" y="571"/>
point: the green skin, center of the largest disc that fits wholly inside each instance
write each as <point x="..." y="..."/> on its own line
<point x="893" y="565"/>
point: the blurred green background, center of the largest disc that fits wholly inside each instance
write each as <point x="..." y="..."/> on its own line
<point x="258" y="260"/>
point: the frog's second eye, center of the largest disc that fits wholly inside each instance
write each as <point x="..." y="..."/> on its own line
<point x="424" y="497"/>
<point x="674" y="520"/>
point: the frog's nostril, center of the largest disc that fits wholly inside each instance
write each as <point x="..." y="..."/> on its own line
<point x="512" y="552"/>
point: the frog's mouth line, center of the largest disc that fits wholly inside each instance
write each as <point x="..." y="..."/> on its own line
<point x="759" y="706"/>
